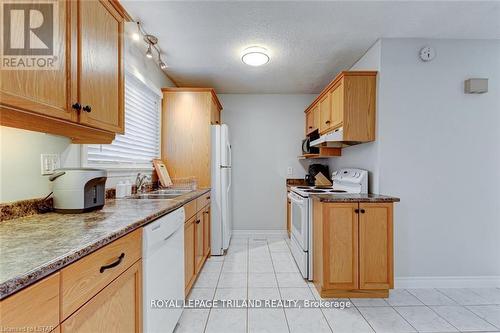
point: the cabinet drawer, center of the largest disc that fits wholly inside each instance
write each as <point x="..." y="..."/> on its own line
<point x="202" y="201"/>
<point x="33" y="308"/>
<point x="86" y="277"/>
<point x="190" y="209"/>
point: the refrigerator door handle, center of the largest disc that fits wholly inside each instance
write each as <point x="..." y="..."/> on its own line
<point x="225" y="167"/>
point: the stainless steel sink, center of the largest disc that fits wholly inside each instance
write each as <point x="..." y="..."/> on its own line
<point x="160" y="194"/>
<point x="153" y="196"/>
<point x="171" y="191"/>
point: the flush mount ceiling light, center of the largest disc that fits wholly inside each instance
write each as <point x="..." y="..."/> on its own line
<point x="255" y="56"/>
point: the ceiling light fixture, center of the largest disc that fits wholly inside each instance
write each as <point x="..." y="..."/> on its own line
<point x="149" y="54"/>
<point x="152" y="43"/>
<point x="255" y="56"/>
<point x="161" y="63"/>
<point x="137" y="35"/>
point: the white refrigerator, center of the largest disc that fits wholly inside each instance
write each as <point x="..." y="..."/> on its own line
<point x="221" y="212"/>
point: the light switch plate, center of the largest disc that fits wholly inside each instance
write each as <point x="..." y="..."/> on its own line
<point x="289" y="171"/>
<point x="48" y="163"/>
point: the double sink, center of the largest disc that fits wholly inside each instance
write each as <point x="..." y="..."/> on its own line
<point x="160" y="194"/>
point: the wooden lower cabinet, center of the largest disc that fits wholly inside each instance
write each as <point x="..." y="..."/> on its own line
<point x="352" y="249"/>
<point x="375" y="246"/>
<point x="197" y="240"/>
<point x="288" y="216"/>
<point x="189" y="263"/>
<point x="40" y="301"/>
<point x="206" y="231"/>
<point x="117" y="308"/>
<point x="198" y="246"/>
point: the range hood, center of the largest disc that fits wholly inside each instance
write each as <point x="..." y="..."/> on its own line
<point x="333" y="139"/>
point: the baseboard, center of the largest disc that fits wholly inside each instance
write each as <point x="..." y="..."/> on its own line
<point x="259" y="233"/>
<point x="447" y="282"/>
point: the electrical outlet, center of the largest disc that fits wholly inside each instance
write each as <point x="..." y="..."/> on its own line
<point x="289" y="171"/>
<point x="49" y="162"/>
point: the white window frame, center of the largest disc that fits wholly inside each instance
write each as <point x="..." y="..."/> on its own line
<point x="117" y="170"/>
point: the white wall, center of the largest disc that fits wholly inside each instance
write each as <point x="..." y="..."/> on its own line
<point x="364" y="156"/>
<point x="439" y="150"/>
<point x="20" y="150"/>
<point x="265" y="134"/>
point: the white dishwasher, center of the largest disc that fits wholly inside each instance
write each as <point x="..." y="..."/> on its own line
<point x="163" y="271"/>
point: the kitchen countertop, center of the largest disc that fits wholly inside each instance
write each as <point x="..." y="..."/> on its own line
<point x="363" y="197"/>
<point x="33" y="247"/>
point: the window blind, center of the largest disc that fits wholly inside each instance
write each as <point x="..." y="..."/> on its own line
<point x="141" y="142"/>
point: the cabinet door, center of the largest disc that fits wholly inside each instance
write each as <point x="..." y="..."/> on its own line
<point x="189" y="237"/>
<point x="375" y="246"/>
<point x="341" y="231"/>
<point x="117" y="308"/>
<point x="206" y="231"/>
<point x="288" y="225"/>
<point x="309" y="121"/>
<point x="325" y="113"/>
<point x="214" y="112"/>
<point x="198" y="247"/>
<point x="100" y="66"/>
<point x="37" y="306"/>
<point x="337" y="96"/>
<point x="44" y="91"/>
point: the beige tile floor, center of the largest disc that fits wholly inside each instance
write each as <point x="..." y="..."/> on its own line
<point x="262" y="268"/>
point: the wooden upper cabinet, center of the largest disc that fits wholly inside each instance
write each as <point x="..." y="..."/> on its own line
<point x="83" y="96"/>
<point x="45" y="92"/>
<point x="186" y="132"/>
<point x="214" y="112"/>
<point x="309" y="122"/>
<point x="337" y="97"/>
<point x="101" y="81"/>
<point x="117" y="308"/>
<point x="325" y="113"/>
<point x="348" y="102"/>
<point x="375" y="246"/>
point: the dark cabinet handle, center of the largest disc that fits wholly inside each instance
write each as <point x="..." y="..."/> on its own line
<point x="356" y="211"/>
<point x="76" y="106"/>
<point x="326" y="122"/>
<point x="116" y="263"/>
<point x="310" y="127"/>
<point x="87" y="108"/>
<point x="198" y="221"/>
<point x="208" y="198"/>
<point x="362" y="211"/>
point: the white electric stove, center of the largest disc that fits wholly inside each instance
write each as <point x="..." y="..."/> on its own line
<point x="344" y="181"/>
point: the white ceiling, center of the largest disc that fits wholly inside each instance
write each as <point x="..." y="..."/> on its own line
<point x="309" y="41"/>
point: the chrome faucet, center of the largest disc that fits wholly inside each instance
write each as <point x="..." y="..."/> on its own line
<point x="141" y="181"/>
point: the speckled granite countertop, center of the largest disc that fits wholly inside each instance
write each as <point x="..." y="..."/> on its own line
<point x="364" y="197"/>
<point x="35" y="246"/>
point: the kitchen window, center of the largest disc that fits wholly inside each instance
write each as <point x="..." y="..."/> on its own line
<point x="140" y="144"/>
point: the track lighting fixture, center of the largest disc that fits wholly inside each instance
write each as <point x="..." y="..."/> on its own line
<point x="151" y="42"/>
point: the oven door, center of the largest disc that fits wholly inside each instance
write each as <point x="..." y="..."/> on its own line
<point x="299" y="216"/>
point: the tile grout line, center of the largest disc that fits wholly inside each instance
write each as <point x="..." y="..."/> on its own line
<point x="277" y="284"/>
<point x="248" y="279"/>
<point x="433" y="309"/>
<point x="213" y="296"/>
<point x="465" y="306"/>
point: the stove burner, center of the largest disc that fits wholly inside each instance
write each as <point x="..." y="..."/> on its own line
<point x="315" y="191"/>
